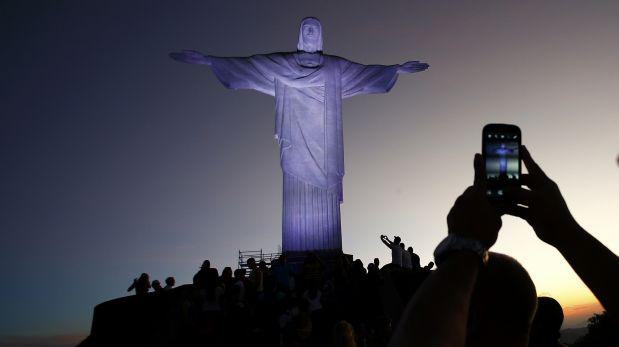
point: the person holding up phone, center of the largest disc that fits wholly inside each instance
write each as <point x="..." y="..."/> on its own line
<point x="543" y="207"/>
<point x="396" y="250"/>
<point x="475" y="297"/>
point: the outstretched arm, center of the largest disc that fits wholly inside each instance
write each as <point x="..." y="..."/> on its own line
<point x="191" y="57"/>
<point x="386" y="241"/>
<point x="371" y="79"/>
<point x="437" y="315"/>
<point x="412" y="67"/>
<point x="544" y="208"/>
<point x="257" y="72"/>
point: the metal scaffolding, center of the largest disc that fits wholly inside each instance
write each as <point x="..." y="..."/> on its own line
<point x="258" y="256"/>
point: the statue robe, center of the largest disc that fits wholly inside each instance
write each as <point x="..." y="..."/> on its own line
<point x="308" y="128"/>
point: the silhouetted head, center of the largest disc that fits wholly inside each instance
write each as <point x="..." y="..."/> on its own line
<point x="376" y="262"/>
<point x="410" y="249"/>
<point x="206" y="265"/>
<point x="251" y="263"/>
<point x="170" y="281"/>
<point x="402" y="245"/>
<point x="156" y="285"/>
<point x="226" y="274"/>
<point x="502" y="304"/>
<point x="310" y="35"/>
<point x="262" y="265"/>
<point x="546" y="327"/>
<point x="430" y="265"/>
<point x="238" y="274"/>
<point x="397" y="240"/>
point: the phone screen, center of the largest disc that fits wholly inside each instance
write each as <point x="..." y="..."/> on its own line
<point x="501" y="148"/>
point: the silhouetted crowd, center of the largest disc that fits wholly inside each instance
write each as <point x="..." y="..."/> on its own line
<point x="309" y="303"/>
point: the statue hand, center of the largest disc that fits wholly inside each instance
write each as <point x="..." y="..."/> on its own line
<point x="191" y="57"/>
<point x="412" y="67"/>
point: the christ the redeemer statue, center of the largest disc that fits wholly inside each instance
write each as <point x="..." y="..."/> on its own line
<point x="308" y="87"/>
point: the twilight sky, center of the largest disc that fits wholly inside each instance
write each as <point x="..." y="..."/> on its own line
<point x="116" y="160"/>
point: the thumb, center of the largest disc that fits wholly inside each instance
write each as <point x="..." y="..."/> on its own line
<point x="480" y="172"/>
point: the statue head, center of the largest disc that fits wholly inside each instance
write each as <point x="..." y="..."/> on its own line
<point x="310" y="35"/>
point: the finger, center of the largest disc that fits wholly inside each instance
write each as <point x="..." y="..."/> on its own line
<point x="478" y="166"/>
<point x="530" y="164"/>
<point x="529" y="181"/>
<point x="525" y="179"/>
<point x="516" y="211"/>
<point x="519" y="195"/>
<point x="468" y="195"/>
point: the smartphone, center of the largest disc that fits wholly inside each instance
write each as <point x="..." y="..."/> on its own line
<point x="501" y="155"/>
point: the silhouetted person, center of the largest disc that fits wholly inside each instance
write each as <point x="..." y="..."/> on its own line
<point x="200" y="279"/>
<point x="169" y="283"/>
<point x="141" y="285"/>
<point x="238" y="288"/>
<point x="226" y="278"/>
<point x="283" y="273"/>
<point x="429" y="266"/>
<point x="156" y="285"/>
<point x="406" y="257"/>
<point x="263" y="273"/>
<point x="545" y="331"/>
<point x="357" y="268"/>
<point x="415" y="261"/>
<point x="396" y="250"/>
<point x="251" y="265"/>
<point x="544" y="208"/>
<point x="377" y="263"/>
<point x="474" y="298"/>
<point x="312" y="271"/>
<point x="212" y="292"/>
<point x="255" y="277"/>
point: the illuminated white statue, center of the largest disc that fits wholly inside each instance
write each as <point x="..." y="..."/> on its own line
<point x="308" y="87"/>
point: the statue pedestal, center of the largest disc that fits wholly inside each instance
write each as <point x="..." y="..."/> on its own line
<point x="328" y="258"/>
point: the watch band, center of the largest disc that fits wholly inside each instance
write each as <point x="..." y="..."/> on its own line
<point x="455" y="242"/>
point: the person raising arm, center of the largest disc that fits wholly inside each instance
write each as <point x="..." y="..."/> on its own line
<point x="543" y="207"/>
<point x="474" y="298"/>
<point x="396" y="250"/>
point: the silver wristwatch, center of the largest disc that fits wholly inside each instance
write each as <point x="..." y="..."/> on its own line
<point x="454" y="242"/>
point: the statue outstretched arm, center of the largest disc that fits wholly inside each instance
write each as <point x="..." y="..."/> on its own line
<point x="191" y="57"/>
<point x="412" y="67"/>
<point x="369" y="79"/>
<point x="257" y="72"/>
<point x="366" y="79"/>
